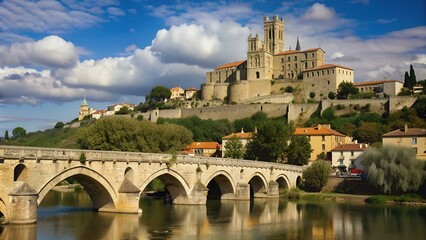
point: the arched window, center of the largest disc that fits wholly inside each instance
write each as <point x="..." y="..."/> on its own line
<point x="257" y="74"/>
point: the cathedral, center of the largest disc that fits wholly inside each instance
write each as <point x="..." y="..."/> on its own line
<point x="269" y="70"/>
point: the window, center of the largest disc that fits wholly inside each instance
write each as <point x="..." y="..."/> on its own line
<point x="282" y="68"/>
<point x="295" y="65"/>
<point x="306" y="55"/>
<point x="332" y="71"/>
<point x="313" y="54"/>
<point x="413" y="140"/>
<point x="282" y="60"/>
<point x="288" y="66"/>
<point x="257" y="74"/>
<point x="328" y="82"/>
<point x="313" y="64"/>
<point x="322" y="72"/>
<point x="295" y="58"/>
<point x="323" y="138"/>
<point x="328" y="72"/>
<point x="341" y="162"/>
<point x="352" y="153"/>
<point x="341" y="153"/>
<point x="306" y="65"/>
<point x="323" y="147"/>
<point x="288" y="58"/>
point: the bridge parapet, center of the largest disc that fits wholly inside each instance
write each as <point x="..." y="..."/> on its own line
<point x="33" y="153"/>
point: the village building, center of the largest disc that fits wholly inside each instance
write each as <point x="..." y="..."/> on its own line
<point x="322" y="139"/>
<point x="388" y="87"/>
<point x="414" y="138"/>
<point x="189" y="93"/>
<point x="206" y="149"/>
<point x="348" y="156"/>
<point x="243" y="137"/>
<point x="269" y="69"/>
<point x="117" y="107"/>
<point x="177" y="93"/>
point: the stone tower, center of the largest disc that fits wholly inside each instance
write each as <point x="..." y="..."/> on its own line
<point x="274" y="34"/>
<point x="84" y="109"/>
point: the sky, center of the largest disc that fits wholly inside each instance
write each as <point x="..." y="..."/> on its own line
<point x="55" y="52"/>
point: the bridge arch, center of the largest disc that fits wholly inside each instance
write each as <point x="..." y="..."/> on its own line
<point x="220" y="182"/>
<point x="128" y="174"/>
<point x="283" y="181"/>
<point x="258" y="184"/>
<point x="172" y="180"/>
<point x="3" y="212"/>
<point x="97" y="186"/>
<point x="20" y="172"/>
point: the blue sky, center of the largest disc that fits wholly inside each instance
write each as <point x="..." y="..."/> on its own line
<point x="52" y="53"/>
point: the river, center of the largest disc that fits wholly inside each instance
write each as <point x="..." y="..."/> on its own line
<point x="65" y="215"/>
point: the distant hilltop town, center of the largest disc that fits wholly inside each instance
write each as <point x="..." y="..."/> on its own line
<point x="269" y="75"/>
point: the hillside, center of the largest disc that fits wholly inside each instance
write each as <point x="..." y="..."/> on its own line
<point x="53" y="138"/>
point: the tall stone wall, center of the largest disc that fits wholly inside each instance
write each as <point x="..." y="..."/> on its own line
<point x="233" y="112"/>
<point x="301" y="112"/>
<point x="238" y="91"/>
<point x="398" y="102"/>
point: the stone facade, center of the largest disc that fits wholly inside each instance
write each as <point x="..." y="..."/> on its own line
<point x="389" y="87"/>
<point x="267" y="64"/>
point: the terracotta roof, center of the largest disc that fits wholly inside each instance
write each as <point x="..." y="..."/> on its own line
<point x="316" y="131"/>
<point x="410" y="132"/>
<point x="176" y="89"/>
<point x="191" y="89"/>
<point x="288" y="52"/>
<point x="229" y="65"/>
<point x="374" y="82"/>
<point x="203" y="145"/>
<point x="351" y="147"/>
<point x="100" y="112"/>
<point x="327" y="66"/>
<point x="240" y="135"/>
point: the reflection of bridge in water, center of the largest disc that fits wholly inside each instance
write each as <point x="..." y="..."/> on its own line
<point x="115" y="180"/>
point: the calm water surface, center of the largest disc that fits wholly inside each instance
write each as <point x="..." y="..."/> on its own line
<point x="69" y="216"/>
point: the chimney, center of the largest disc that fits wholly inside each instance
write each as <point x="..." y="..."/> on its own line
<point x="242" y="130"/>
<point x="405" y="128"/>
<point x="356" y="141"/>
<point x="319" y="126"/>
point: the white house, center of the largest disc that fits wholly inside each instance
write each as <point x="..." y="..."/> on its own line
<point x="242" y="136"/>
<point x="348" y="156"/>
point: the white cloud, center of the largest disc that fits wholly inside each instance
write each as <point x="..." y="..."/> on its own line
<point x="386" y="21"/>
<point x="115" y="11"/>
<point x="51" y="51"/>
<point x="320" y="12"/>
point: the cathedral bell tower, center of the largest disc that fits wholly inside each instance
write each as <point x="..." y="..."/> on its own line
<point x="273" y="34"/>
<point x="84" y="109"/>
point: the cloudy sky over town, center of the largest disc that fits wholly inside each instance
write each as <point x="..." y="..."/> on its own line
<point x="52" y="53"/>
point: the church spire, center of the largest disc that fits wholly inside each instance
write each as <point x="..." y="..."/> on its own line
<point x="298" y="44"/>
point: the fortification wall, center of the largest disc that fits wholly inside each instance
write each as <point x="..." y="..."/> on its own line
<point x="398" y="102"/>
<point x="279" y="86"/>
<point x="207" y="91"/>
<point x="220" y="91"/>
<point x="233" y="112"/>
<point x="259" y="87"/>
<point x="278" y="98"/>
<point x="376" y="105"/>
<point x="301" y="112"/>
<point x="238" y="91"/>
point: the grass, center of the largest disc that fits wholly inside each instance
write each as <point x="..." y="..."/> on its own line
<point x="405" y="198"/>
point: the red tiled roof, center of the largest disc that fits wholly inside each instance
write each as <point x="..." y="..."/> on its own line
<point x="100" y="112"/>
<point x="203" y="145"/>
<point x="351" y="147"/>
<point x="191" y="89"/>
<point x="312" y="49"/>
<point x="374" y="82"/>
<point x="327" y="66"/>
<point x="176" y="89"/>
<point x="240" y="135"/>
<point x="229" y="65"/>
<point x="288" y="52"/>
<point x="410" y="132"/>
<point x="316" y="131"/>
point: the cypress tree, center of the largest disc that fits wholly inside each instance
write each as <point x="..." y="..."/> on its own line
<point x="413" y="79"/>
<point x="6" y="135"/>
<point x="406" y="80"/>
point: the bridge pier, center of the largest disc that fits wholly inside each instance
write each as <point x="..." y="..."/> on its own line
<point x="198" y="196"/>
<point x="23" y="204"/>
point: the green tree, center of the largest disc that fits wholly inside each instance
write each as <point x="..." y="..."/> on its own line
<point x="18" y="132"/>
<point x="270" y="142"/>
<point x="407" y="80"/>
<point x="420" y="107"/>
<point x="123" y="111"/>
<point x="59" y="125"/>
<point x="299" y="150"/>
<point x="369" y="132"/>
<point x="316" y="176"/>
<point x="312" y="95"/>
<point x="394" y="169"/>
<point x="234" y="148"/>
<point x="6" y="135"/>
<point x="331" y="95"/>
<point x="129" y="134"/>
<point x="410" y="79"/>
<point x="345" y="89"/>
<point x="159" y="93"/>
<point x="289" y="89"/>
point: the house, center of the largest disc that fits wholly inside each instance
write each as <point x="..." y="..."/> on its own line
<point x="322" y="139"/>
<point x="189" y="93"/>
<point x="348" y="156"/>
<point x="408" y="137"/>
<point x="389" y="87"/>
<point x="177" y="93"/>
<point x="206" y="149"/>
<point x="244" y="138"/>
<point x="116" y="107"/>
<point x="98" y="114"/>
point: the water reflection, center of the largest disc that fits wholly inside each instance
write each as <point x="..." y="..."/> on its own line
<point x="259" y="219"/>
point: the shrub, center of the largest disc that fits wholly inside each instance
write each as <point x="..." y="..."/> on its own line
<point x="289" y="89"/>
<point x="59" y="125"/>
<point x="312" y="95"/>
<point x="316" y="176"/>
<point x="331" y="95"/>
<point x="83" y="158"/>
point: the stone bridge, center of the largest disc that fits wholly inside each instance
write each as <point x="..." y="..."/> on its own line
<point x="116" y="180"/>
